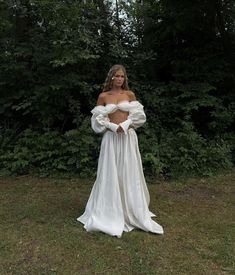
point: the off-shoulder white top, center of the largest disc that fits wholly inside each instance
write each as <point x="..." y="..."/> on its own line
<point x="100" y="121"/>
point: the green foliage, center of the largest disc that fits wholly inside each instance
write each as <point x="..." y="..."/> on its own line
<point x="183" y="152"/>
<point x="172" y="154"/>
<point x="49" y="65"/>
<point x="50" y="152"/>
<point x="180" y="61"/>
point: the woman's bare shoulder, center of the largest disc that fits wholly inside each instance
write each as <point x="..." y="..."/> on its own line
<point x="101" y="98"/>
<point x="131" y="95"/>
<point x="102" y="95"/>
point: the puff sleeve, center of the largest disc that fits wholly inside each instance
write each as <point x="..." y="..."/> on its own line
<point x="100" y="121"/>
<point x="136" y="117"/>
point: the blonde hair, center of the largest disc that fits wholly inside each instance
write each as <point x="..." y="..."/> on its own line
<point x="109" y="79"/>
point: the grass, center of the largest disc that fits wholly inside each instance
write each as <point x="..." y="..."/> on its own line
<point x="39" y="233"/>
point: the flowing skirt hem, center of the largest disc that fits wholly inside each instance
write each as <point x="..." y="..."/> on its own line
<point x="119" y="198"/>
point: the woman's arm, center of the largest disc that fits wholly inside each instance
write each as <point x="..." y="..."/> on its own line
<point x="136" y="117"/>
<point x="100" y="121"/>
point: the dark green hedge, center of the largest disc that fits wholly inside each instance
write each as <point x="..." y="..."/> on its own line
<point x="180" y="60"/>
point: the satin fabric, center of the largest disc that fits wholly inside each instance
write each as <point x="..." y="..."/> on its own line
<point x="119" y="198"/>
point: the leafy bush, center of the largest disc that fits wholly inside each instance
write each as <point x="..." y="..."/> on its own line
<point x="179" y="62"/>
<point x="51" y="152"/>
<point x="183" y="152"/>
<point x="170" y="154"/>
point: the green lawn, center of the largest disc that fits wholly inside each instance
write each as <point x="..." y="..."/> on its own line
<point x="39" y="233"/>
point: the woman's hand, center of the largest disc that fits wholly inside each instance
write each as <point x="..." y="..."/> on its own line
<point x="120" y="130"/>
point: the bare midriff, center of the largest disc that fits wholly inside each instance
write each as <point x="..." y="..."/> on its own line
<point x="118" y="116"/>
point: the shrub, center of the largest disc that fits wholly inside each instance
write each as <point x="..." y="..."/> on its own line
<point x="51" y="152"/>
<point x="184" y="152"/>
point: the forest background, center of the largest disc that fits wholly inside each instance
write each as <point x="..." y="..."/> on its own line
<point x="180" y="59"/>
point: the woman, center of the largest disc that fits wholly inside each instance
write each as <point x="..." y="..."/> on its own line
<point x="119" y="198"/>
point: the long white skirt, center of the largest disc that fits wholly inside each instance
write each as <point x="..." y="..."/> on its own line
<point x="119" y="199"/>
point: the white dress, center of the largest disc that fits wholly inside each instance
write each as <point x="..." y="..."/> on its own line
<point x="119" y="198"/>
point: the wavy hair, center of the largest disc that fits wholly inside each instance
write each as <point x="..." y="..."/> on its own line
<point x="109" y="81"/>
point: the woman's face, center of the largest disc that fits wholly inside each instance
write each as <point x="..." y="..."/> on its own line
<point x="119" y="78"/>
